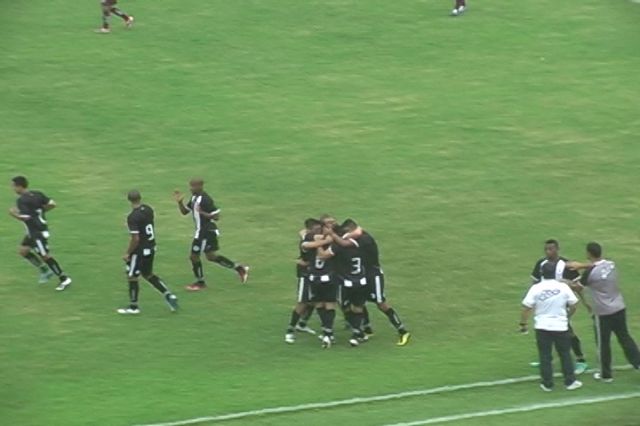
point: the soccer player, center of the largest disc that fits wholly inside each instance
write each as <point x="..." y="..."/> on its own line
<point x="375" y="276"/>
<point x="351" y="269"/>
<point x="304" y="301"/>
<point x="205" y="215"/>
<point x="108" y="7"/>
<point x="601" y="277"/>
<point x="553" y="303"/>
<point x="459" y="8"/>
<point x="568" y="276"/>
<point x="140" y="253"/>
<point x="31" y="208"/>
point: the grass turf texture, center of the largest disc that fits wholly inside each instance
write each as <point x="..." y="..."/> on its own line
<point x="460" y="143"/>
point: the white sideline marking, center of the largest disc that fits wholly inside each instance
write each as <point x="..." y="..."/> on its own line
<point x="521" y="409"/>
<point x="354" y="401"/>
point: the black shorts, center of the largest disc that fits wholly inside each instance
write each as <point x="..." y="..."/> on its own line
<point x="355" y="295"/>
<point x="207" y="242"/>
<point x="141" y="263"/>
<point x="375" y="288"/>
<point x="39" y="243"/>
<point x="324" y="292"/>
<point x="304" y="290"/>
<point x="108" y="3"/>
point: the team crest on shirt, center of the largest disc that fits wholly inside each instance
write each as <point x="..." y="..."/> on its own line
<point x="196" y="248"/>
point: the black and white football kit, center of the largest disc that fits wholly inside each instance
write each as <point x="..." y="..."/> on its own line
<point x="141" y="222"/>
<point x="31" y="206"/>
<point x="206" y="234"/>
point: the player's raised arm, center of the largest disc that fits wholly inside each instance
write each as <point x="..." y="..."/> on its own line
<point x="179" y="198"/>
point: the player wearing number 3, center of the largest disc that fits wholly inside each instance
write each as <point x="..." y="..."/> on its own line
<point x="140" y="253"/>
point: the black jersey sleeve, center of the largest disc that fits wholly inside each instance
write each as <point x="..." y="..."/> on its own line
<point x="43" y="200"/>
<point x="570" y="274"/>
<point x="584" y="279"/>
<point x="536" y="274"/>
<point x="133" y="224"/>
<point x="208" y="205"/>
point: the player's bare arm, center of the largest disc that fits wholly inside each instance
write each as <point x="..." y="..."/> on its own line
<point x="344" y="242"/>
<point x="133" y="245"/>
<point x="215" y="215"/>
<point x="324" y="254"/>
<point x="573" y="265"/>
<point x="15" y="213"/>
<point x="179" y="198"/>
<point x="317" y="244"/>
<point x="49" y="206"/>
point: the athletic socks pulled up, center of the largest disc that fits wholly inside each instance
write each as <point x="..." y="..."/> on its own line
<point x="134" y="290"/>
<point x="295" y="317"/>
<point x="55" y="267"/>
<point x="225" y="262"/>
<point x="198" y="272"/>
<point x="394" y="319"/>
<point x="159" y="285"/>
<point x="37" y="262"/>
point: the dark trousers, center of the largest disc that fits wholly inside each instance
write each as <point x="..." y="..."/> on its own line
<point x="546" y="340"/>
<point x="616" y="323"/>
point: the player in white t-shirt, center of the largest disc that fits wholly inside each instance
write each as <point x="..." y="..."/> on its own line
<point x="553" y="303"/>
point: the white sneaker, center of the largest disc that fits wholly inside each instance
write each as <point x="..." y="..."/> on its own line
<point x="454" y="12"/>
<point x="354" y="342"/>
<point x="575" y="385"/>
<point x="326" y="342"/>
<point x="45" y="277"/>
<point x="461" y="10"/>
<point x="129" y="22"/>
<point x="290" y="338"/>
<point x="306" y="329"/>
<point x="129" y="311"/>
<point x="64" y="284"/>
<point x="103" y="31"/>
<point x="598" y="376"/>
<point x="544" y="388"/>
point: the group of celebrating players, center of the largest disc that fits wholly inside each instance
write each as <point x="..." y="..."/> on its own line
<point x="339" y="266"/>
<point x="31" y="207"/>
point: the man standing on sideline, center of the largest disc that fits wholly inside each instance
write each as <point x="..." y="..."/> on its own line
<point x="140" y="253"/>
<point x="553" y="303"/>
<point x="205" y="240"/>
<point x="569" y="276"/>
<point x="610" y="314"/>
<point x="30" y="209"/>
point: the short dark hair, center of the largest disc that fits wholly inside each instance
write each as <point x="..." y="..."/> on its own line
<point x="552" y="241"/>
<point x="349" y="223"/>
<point x="549" y="270"/>
<point x="311" y="222"/>
<point x="20" y="181"/>
<point x="134" y="196"/>
<point x="594" y="249"/>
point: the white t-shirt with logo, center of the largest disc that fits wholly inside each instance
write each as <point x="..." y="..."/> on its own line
<point x="550" y="299"/>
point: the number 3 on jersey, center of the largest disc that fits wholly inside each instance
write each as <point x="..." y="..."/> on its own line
<point x="149" y="231"/>
<point x="356" y="265"/>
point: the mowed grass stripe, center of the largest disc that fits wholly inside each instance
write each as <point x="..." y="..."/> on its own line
<point x="521" y="409"/>
<point x="355" y="401"/>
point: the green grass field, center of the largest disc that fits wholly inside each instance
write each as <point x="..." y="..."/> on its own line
<point x="461" y="144"/>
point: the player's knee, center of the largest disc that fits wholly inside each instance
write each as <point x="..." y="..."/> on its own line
<point x="212" y="256"/>
<point x="356" y="309"/>
<point x="384" y="307"/>
<point x="194" y="257"/>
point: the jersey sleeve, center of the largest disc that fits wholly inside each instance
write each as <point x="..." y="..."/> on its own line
<point x="132" y="224"/>
<point x="530" y="299"/>
<point x="584" y="279"/>
<point x="535" y="274"/>
<point x="43" y="199"/>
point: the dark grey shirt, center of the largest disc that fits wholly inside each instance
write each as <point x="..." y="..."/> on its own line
<point x="602" y="280"/>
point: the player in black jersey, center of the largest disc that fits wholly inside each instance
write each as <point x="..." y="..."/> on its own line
<point x="140" y="254"/>
<point x="305" y="299"/>
<point x="564" y="274"/>
<point x="375" y="276"/>
<point x="31" y="208"/>
<point x="205" y="215"/>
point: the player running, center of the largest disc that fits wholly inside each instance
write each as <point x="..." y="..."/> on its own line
<point x="374" y="275"/>
<point x="568" y="276"/>
<point x="140" y="254"/>
<point x="205" y="215"/>
<point x="304" y="302"/>
<point x="31" y="208"/>
<point x="108" y="7"/>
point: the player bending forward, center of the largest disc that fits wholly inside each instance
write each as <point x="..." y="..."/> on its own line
<point x="109" y="7"/>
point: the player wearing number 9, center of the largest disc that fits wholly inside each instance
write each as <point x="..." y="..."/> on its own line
<point x="140" y="254"/>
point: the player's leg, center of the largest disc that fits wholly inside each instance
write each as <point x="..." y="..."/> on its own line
<point x="576" y="346"/>
<point x="296" y="313"/>
<point x="303" y="324"/>
<point x="42" y="248"/>
<point x="26" y="250"/>
<point x="133" y="272"/>
<point x="459" y="7"/>
<point x="381" y="301"/>
<point x="128" y="19"/>
<point x="627" y="343"/>
<point x="197" y="246"/>
<point x="146" y="268"/>
<point x="545" y="346"/>
<point x="211" y="251"/>
<point x="603" y="331"/>
<point x="306" y="306"/>
<point x="357" y="296"/>
<point x="105" y="6"/>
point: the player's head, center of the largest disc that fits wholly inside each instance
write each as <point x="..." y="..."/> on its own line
<point x="594" y="251"/>
<point x="551" y="248"/>
<point x="549" y="270"/>
<point x="19" y="184"/>
<point x="313" y="225"/>
<point x="349" y="225"/>
<point x="134" y="196"/>
<point x="196" y="185"/>
<point x="328" y="220"/>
